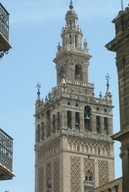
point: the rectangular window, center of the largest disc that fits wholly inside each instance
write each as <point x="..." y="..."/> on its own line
<point x="98" y="124"/>
<point x="38" y="133"/>
<point x="58" y="120"/>
<point x="75" y="40"/>
<point x="77" y="120"/>
<point x="69" y="119"/>
<point x="53" y="124"/>
<point x="47" y="125"/>
<point x="42" y="133"/>
<point x="106" y="124"/>
<point x="116" y="188"/>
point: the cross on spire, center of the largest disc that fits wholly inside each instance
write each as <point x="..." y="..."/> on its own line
<point x="108" y="78"/>
<point x="38" y="86"/>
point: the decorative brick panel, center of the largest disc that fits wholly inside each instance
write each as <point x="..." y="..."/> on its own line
<point x="75" y="174"/>
<point x="41" y="179"/>
<point x="56" y="176"/>
<point x="89" y="165"/>
<point x="103" y="172"/>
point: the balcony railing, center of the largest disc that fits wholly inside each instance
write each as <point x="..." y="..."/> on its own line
<point x="88" y="183"/>
<point x="4" y="31"/>
<point x="4" y="22"/>
<point x="6" y="155"/>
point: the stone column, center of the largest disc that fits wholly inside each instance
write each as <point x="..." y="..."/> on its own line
<point x="110" y="126"/>
<point x="41" y="131"/>
<point x="44" y="129"/>
<point x="93" y="123"/>
<point x="64" y="119"/>
<point x="73" y="120"/>
<point x="72" y="77"/>
<point x="102" y="125"/>
<point x="81" y="121"/>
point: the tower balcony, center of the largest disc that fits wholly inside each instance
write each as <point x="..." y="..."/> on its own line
<point x="4" y="31"/>
<point x="6" y="156"/>
<point x="88" y="183"/>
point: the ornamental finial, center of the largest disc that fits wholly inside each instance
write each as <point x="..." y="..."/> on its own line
<point x="71" y="4"/>
<point x="108" y="93"/>
<point x="38" y="86"/>
<point x="108" y="78"/>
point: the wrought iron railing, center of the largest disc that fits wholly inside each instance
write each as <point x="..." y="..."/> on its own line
<point x="4" y="22"/>
<point x="6" y="150"/>
<point x="88" y="183"/>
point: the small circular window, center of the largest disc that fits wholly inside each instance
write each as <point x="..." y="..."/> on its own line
<point x="105" y="110"/>
<point x="97" y="108"/>
<point x="68" y="102"/>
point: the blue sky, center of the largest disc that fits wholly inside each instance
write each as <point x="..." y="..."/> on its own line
<point x="35" y="29"/>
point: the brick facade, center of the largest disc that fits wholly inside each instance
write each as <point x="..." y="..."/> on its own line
<point x="73" y="147"/>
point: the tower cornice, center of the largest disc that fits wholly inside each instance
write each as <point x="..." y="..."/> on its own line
<point x="71" y="54"/>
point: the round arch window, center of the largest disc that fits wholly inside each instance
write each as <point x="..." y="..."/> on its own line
<point x="78" y="72"/>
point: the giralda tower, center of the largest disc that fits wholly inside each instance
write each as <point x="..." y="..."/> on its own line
<point x="73" y="148"/>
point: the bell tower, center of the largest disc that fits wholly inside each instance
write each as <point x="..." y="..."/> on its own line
<point x="73" y="148"/>
<point x="120" y="45"/>
<point x="72" y="60"/>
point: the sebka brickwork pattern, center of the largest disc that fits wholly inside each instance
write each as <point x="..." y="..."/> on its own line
<point x="75" y="176"/>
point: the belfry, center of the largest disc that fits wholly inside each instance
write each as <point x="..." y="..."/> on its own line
<point x="73" y="148"/>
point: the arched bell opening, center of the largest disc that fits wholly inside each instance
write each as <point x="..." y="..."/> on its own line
<point x="78" y="72"/>
<point x="87" y="118"/>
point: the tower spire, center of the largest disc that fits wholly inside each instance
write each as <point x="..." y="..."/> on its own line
<point x="108" y="93"/>
<point x="107" y="79"/>
<point x="38" y="86"/>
